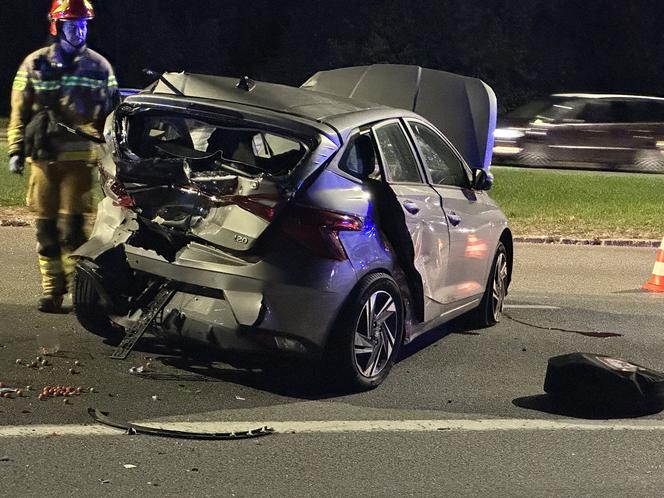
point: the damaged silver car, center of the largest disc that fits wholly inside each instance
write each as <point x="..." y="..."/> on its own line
<point x="309" y="222"/>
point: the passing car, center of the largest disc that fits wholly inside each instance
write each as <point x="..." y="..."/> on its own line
<point x="584" y="131"/>
<point x="267" y="220"/>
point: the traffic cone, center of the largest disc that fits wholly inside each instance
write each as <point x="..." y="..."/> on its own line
<point x="656" y="282"/>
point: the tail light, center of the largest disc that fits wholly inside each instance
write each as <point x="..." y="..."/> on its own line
<point x="115" y="190"/>
<point x="318" y="230"/>
<point x="262" y="205"/>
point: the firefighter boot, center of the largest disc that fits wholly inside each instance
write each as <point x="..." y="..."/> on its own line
<point x="73" y="236"/>
<point x="53" y="284"/>
<point x="50" y="266"/>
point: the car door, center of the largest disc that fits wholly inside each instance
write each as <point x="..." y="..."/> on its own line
<point x="470" y="215"/>
<point x="420" y="204"/>
<point x="590" y="137"/>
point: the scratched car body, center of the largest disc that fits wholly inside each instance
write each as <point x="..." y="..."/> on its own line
<point x="288" y="221"/>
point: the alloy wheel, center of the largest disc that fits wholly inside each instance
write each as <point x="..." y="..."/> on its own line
<point x="375" y="334"/>
<point x="499" y="285"/>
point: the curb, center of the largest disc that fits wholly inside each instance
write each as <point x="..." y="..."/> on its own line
<point x="544" y="240"/>
<point x="589" y="242"/>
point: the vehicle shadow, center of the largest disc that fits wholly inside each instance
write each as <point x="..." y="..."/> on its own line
<point x="189" y="363"/>
<point x="430" y="338"/>
<point x="548" y="404"/>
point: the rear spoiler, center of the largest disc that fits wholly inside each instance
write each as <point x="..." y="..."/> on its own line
<point x="463" y="108"/>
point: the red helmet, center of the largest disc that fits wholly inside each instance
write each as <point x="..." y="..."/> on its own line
<point x="66" y="10"/>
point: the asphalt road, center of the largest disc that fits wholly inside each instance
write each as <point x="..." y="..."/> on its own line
<point x="462" y="414"/>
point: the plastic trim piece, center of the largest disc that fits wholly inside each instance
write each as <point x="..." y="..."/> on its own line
<point x="103" y="418"/>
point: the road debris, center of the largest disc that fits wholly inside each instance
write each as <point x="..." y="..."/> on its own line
<point x="129" y="466"/>
<point x="59" y="391"/>
<point x="240" y="398"/>
<point x="603" y="383"/>
<point x="138" y="370"/>
<point x="155" y="398"/>
<point x="132" y="429"/>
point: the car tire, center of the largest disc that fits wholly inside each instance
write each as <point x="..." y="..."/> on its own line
<point x="490" y="310"/>
<point x="361" y="352"/>
<point x="88" y="311"/>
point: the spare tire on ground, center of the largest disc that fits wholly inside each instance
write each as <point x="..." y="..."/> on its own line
<point x="604" y="383"/>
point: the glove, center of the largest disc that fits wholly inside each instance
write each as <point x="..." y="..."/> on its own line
<point x="16" y="164"/>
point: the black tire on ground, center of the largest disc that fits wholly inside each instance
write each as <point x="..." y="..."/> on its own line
<point x="490" y="310"/>
<point x="367" y="337"/>
<point x="88" y="310"/>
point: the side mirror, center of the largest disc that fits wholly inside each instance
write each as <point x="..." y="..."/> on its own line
<point x="481" y="180"/>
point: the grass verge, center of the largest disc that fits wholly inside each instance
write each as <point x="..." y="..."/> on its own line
<point x="585" y="204"/>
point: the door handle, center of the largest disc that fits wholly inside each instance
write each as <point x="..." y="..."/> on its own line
<point x="454" y="218"/>
<point x="411" y="207"/>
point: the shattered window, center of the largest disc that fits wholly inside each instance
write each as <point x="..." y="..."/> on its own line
<point x="252" y="150"/>
<point x="444" y="167"/>
<point x="398" y="157"/>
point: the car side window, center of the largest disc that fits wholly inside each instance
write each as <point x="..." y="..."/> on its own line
<point x="360" y="159"/>
<point x="444" y="166"/>
<point x="598" y="112"/>
<point x="398" y="158"/>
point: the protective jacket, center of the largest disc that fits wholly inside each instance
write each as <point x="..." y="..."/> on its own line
<point x="79" y="90"/>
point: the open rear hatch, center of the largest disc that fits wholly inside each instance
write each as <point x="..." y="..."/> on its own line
<point x="215" y="178"/>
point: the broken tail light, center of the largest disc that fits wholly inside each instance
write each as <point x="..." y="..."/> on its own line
<point x="318" y="230"/>
<point x="115" y="190"/>
<point x="261" y="205"/>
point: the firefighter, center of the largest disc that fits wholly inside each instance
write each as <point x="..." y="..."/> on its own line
<point x="68" y="83"/>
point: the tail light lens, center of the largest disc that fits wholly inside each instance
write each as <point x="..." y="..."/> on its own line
<point x="318" y="230"/>
<point x="115" y="190"/>
<point x="262" y="205"/>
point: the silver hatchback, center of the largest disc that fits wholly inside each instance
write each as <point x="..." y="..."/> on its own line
<point x="265" y="219"/>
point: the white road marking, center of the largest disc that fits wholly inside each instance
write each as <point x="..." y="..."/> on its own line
<point x="530" y="307"/>
<point x="346" y="426"/>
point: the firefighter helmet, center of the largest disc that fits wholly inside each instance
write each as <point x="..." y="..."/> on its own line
<point x="69" y="10"/>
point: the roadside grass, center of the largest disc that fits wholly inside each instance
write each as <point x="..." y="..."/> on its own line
<point x="583" y="204"/>
<point x="12" y="187"/>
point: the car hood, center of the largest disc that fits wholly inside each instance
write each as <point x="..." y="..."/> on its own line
<point x="463" y="108"/>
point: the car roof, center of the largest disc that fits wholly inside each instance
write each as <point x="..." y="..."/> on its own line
<point x="340" y="112"/>
<point x="606" y="96"/>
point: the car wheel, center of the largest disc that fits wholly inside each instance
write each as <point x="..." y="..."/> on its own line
<point x="368" y="335"/>
<point x="648" y="161"/>
<point x="88" y="310"/>
<point x="490" y="310"/>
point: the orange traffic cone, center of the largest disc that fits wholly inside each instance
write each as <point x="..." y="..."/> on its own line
<point x="656" y="282"/>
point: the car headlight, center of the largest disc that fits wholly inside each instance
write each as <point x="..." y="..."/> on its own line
<point x="508" y="133"/>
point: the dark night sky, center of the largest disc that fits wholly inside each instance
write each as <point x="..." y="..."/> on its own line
<point x="521" y="48"/>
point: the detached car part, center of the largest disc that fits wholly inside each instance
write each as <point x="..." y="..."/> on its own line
<point x="604" y="383"/>
<point x="103" y="418"/>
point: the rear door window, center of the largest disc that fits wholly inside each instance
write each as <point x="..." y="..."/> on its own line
<point x="444" y="166"/>
<point x="398" y="157"/>
<point x="641" y="111"/>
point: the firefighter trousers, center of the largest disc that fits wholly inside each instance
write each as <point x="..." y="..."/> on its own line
<point x="59" y="194"/>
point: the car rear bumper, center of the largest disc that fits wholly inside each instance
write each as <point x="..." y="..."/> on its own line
<point x="241" y="312"/>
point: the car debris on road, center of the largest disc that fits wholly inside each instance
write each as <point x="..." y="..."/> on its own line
<point x="132" y="429"/>
<point x="604" y="384"/>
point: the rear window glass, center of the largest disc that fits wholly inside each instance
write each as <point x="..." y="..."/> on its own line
<point x="252" y="150"/>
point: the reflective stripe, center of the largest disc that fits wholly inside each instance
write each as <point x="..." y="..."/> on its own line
<point x="81" y="155"/>
<point x="68" y="82"/>
<point x="13" y="134"/>
<point x="20" y="83"/>
<point x="658" y="269"/>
